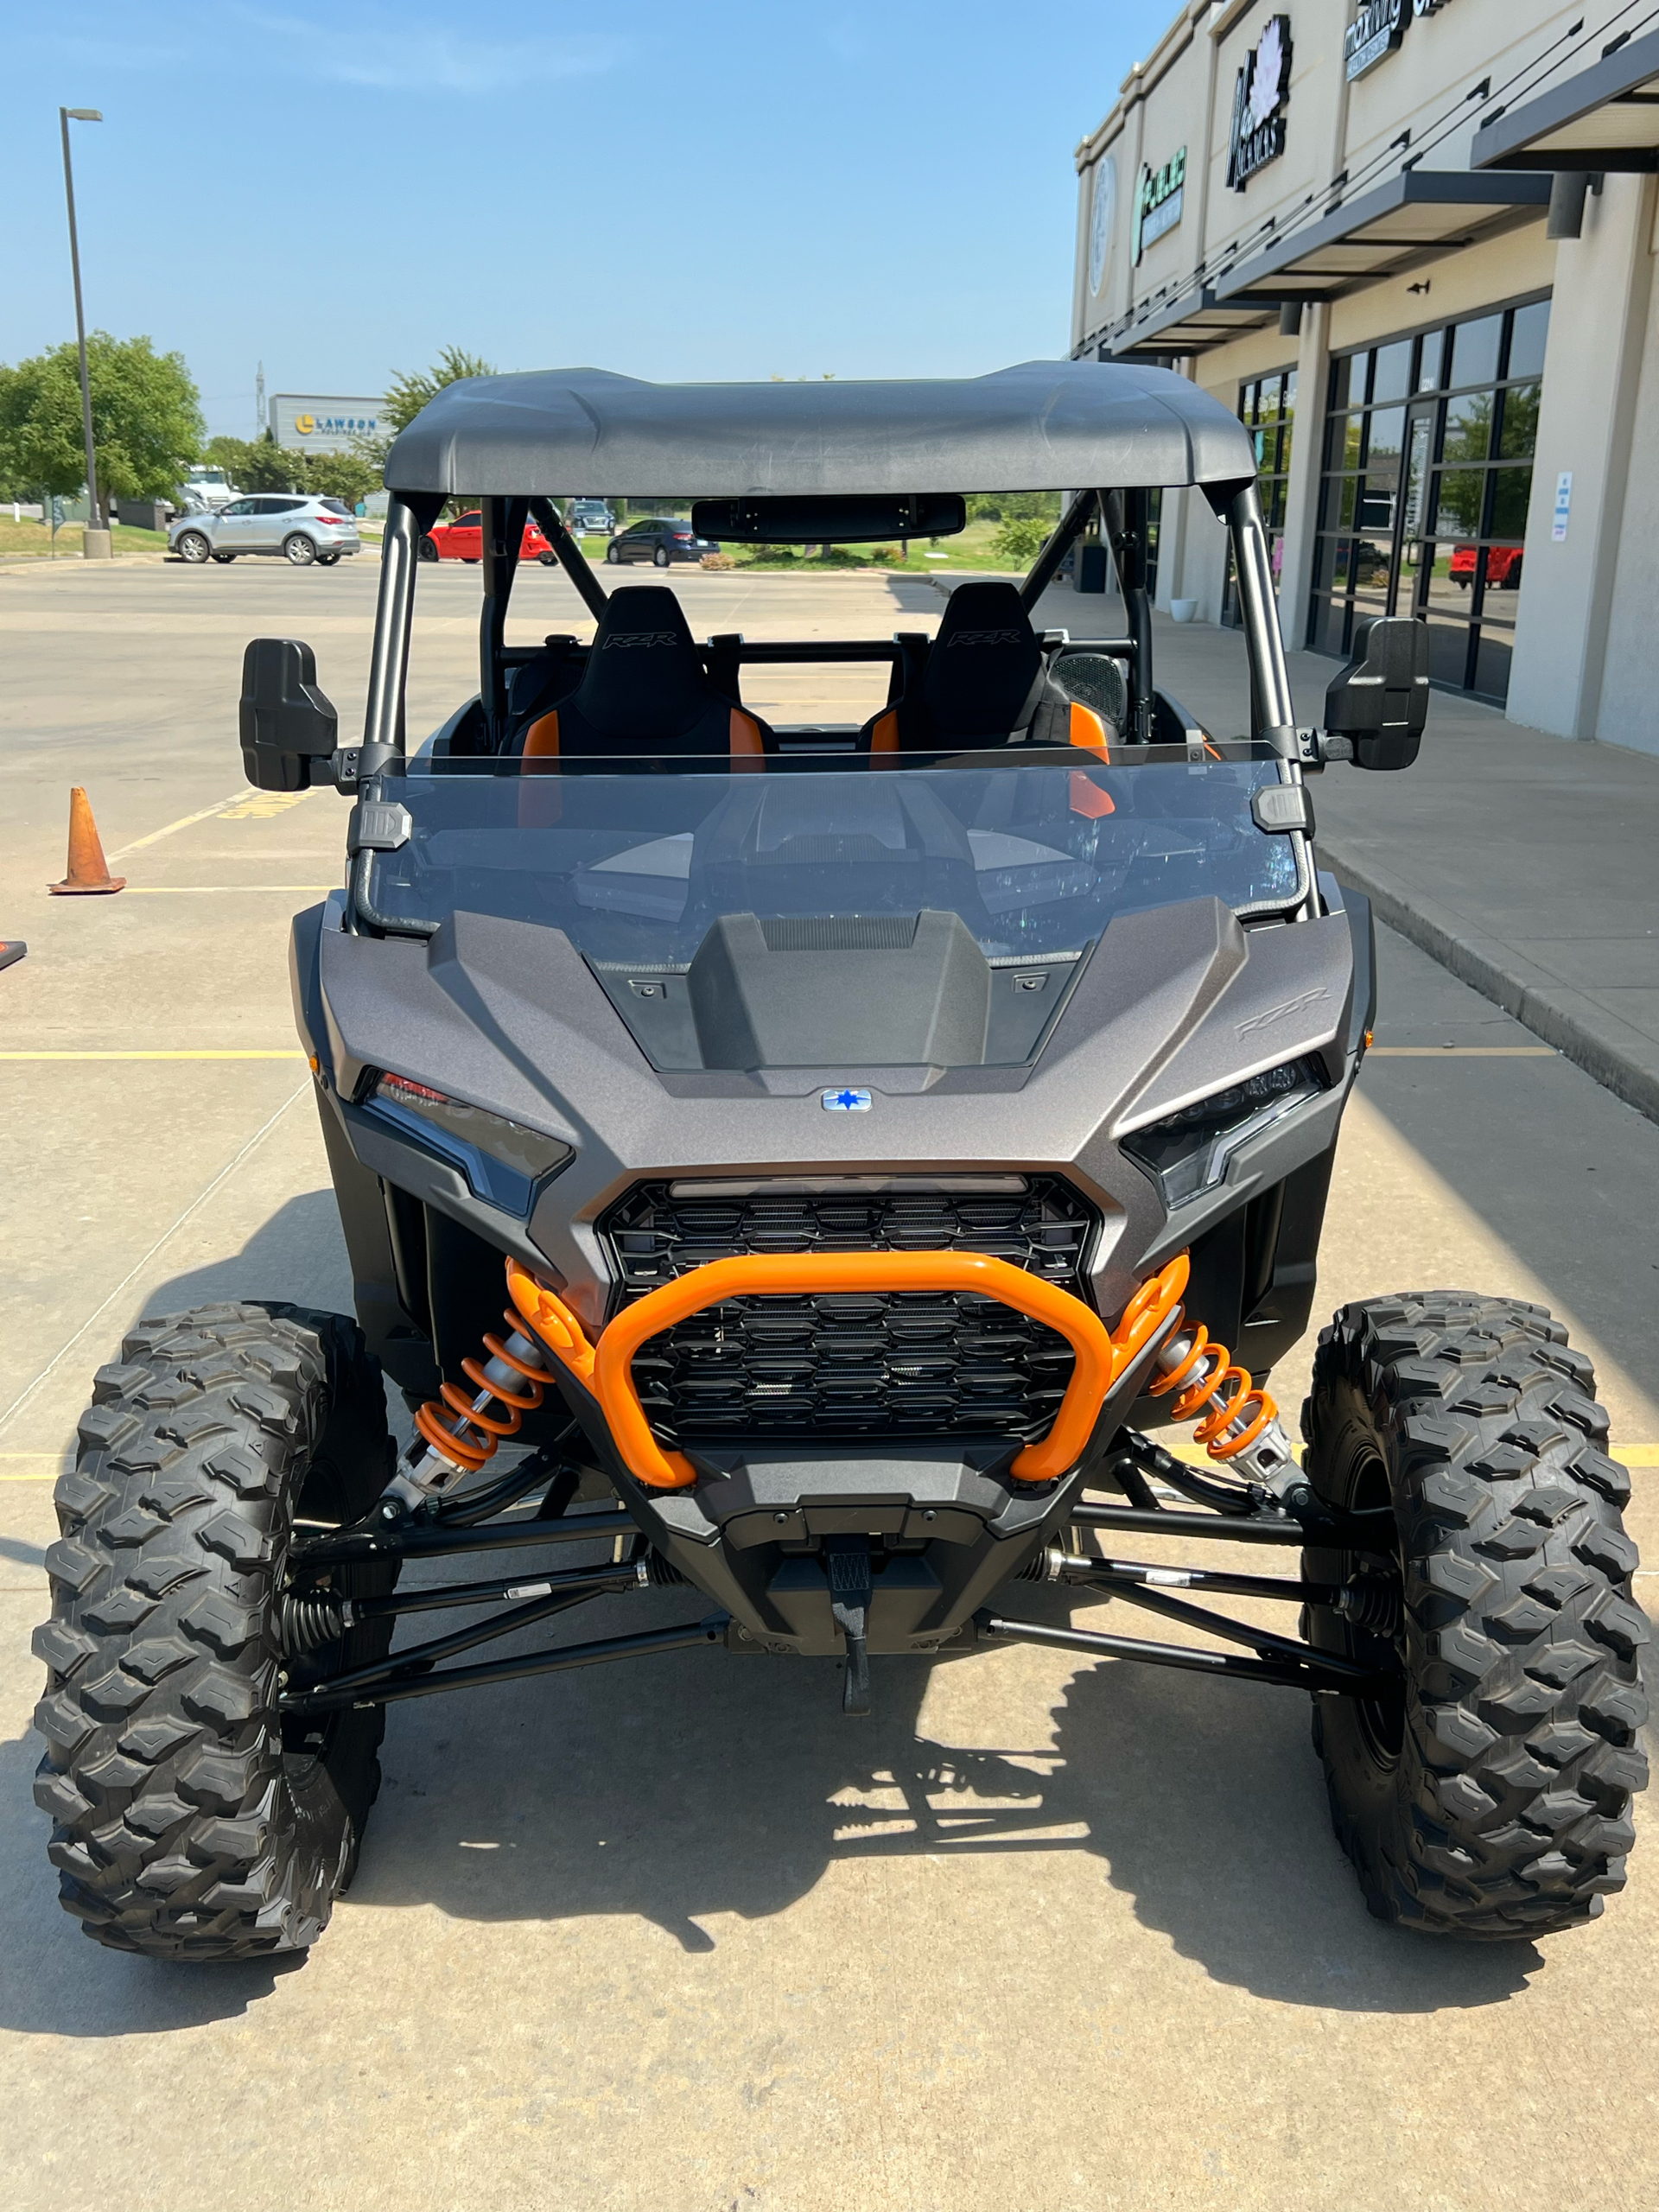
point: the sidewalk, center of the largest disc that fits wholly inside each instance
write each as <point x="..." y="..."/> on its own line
<point x="1525" y="864"/>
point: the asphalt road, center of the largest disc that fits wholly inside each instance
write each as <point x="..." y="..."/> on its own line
<point x="1038" y="1935"/>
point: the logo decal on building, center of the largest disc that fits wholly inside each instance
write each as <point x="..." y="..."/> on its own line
<point x="1159" y="199"/>
<point x="1102" y="217"/>
<point x="1374" y="33"/>
<point x="305" y="424"/>
<point x="1260" y="91"/>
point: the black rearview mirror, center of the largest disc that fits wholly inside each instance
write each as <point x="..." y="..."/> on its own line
<point x="286" y="724"/>
<point x="1380" y="699"/>
<point x="816" y="518"/>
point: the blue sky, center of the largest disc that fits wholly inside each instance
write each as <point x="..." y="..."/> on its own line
<point x="671" y="188"/>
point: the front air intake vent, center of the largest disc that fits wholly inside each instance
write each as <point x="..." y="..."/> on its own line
<point x="895" y="1365"/>
<point x="838" y="932"/>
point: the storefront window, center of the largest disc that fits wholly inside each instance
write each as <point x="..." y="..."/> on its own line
<point x="1267" y="409"/>
<point x="1425" y="481"/>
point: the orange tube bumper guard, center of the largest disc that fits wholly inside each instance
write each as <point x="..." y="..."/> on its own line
<point x="607" y="1369"/>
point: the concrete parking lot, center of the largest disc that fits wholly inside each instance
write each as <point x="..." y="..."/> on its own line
<point x="1039" y="1935"/>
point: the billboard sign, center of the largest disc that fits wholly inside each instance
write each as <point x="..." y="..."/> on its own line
<point x="308" y="423"/>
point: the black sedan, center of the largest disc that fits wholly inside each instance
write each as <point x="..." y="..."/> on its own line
<point x="662" y="540"/>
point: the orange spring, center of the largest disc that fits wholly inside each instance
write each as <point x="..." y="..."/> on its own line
<point x="1209" y="1377"/>
<point x="474" y="1434"/>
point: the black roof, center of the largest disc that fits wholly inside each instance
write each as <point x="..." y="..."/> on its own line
<point x="1043" y="426"/>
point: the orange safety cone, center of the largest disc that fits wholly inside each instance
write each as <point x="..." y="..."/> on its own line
<point x="11" y="949"/>
<point x="89" y="872"/>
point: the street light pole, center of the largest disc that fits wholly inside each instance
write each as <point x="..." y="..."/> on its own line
<point x="95" y="540"/>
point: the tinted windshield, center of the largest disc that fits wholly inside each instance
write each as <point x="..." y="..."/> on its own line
<point x="1034" y="860"/>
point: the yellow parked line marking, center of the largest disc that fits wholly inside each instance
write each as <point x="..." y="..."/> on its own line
<point x="260" y="806"/>
<point x="1463" y="1052"/>
<point x="183" y="823"/>
<point x="154" y="1056"/>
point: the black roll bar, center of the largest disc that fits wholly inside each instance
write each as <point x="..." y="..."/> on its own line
<point x="1065" y="534"/>
<point x="1124" y="514"/>
<point x="571" y="558"/>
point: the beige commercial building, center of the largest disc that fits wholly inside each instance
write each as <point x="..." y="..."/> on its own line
<point x="1412" y="243"/>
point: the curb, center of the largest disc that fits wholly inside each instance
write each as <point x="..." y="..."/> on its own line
<point x="1556" y="1014"/>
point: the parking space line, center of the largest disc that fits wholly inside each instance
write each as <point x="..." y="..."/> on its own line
<point x="196" y="890"/>
<point x="139" y="1265"/>
<point x="1463" y="1052"/>
<point x="183" y="823"/>
<point x="286" y="1053"/>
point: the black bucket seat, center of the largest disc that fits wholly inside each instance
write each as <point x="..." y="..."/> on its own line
<point x="644" y="689"/>
<point x="984" y="681"/>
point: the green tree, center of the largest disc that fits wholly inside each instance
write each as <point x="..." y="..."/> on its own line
<point x="147" y="425"/>
<point x="254" y="464"/>
<point x="1019" y="539"/>
<point x="406" y="395"/>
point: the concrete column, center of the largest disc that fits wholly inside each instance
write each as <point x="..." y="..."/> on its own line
<point x="1302" y="492"/>
<point x="95" y="543"/>
<point x="1592" y="371"/>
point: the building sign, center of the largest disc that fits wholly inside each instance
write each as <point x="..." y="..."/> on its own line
<point x="303" y="422"/>
<point x="1260" y="91"/>
<point x="1374" y="33"/>
<point x="1158" y="200"/>
<point x="1102" y="216"/>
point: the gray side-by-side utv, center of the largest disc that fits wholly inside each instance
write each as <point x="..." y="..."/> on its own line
<point x="820" y="1155"/>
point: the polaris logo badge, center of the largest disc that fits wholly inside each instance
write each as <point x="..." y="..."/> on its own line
<point x="641" y="638"/>
<point x="1270" y="1015"/>
<point x="845" y="1101"/>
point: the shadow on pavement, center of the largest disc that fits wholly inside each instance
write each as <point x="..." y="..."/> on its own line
<point x="298" y="1255"/>
<point x="695" y="1786"/>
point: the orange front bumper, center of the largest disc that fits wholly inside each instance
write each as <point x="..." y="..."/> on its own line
<point x="606" y="1370"/>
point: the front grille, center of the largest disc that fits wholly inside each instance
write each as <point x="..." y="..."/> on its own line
<point x="896" y="1364"/>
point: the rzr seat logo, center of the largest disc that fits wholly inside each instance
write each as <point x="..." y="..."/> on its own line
<point x="641" y="638"/>
<point x="987" y="638"/>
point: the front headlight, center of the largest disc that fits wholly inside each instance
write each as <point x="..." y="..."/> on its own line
<point x="502" y="1161"/>
<point x="1188" y="1152"/>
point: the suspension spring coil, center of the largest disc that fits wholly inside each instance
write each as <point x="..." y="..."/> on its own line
<point x="1232" y="1416"/>
<point x="313" y="1619"/>
<point x="465" y="1430"/>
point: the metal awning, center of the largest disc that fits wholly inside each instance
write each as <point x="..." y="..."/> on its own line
<point x="1191" y="322"/>
<point x="1415" y="217"/>
<point x="1605" y="116"/>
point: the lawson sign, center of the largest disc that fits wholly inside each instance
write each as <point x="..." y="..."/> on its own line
<point x="309" y="423"/>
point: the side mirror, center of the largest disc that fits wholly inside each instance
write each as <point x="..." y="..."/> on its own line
<point x="287" y="726"/>
<point x="1380" y="699"/>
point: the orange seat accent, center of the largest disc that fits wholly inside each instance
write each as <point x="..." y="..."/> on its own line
<point x="884" y="734"/>
<point x="1088" y="798"/>
<point x="542" y="737"/>
<point x="609" y="1373"/>
<point x="748" y="747"/>
<point x="1085" y="728"/>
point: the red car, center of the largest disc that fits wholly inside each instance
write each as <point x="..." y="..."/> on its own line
<point x="463" y="540"/>
<point x="1502" y="566"/>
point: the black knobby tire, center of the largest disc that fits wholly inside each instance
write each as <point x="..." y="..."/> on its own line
<point x="190" y="1820"/>
<point x="1491" y="1798"/>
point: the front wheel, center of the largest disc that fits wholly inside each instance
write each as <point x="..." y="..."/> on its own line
<point x="1488" y="1797"/>
<point x="547" y="560"/>
<point x="426" y="550"/>
<point x="193" y="547"/>
<point x="192" y="1819"/>
<point x="298" y="551"/>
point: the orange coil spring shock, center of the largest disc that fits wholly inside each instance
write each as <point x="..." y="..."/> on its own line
<point x="475" y="1425"/>
<point x="1235" y="1412"/>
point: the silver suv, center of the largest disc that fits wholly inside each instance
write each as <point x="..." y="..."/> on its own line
<point x="300" y="529"/>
